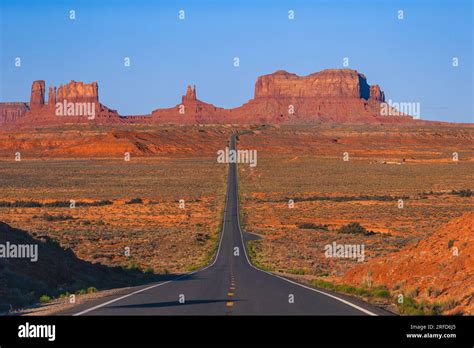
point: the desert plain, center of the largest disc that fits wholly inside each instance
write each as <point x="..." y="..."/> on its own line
<point x="384" y="187"/>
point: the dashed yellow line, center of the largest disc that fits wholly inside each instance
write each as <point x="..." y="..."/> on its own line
<point x="231" y="291"/>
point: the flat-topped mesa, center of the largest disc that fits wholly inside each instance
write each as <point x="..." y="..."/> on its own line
<point x="75" y="92"/>
<point x="329" y="96"/>
<point x="327" y="84"/>
<point x="74" y="102"/>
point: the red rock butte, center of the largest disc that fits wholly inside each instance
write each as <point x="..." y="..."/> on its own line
<point x="328" y="96"/>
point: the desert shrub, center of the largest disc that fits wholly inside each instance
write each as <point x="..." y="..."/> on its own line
<point x="135" y="201"/>
<point x="56" y="204"/>
<point x="44" y="298"/>
<point x="379" y="291"/>
<point x="323" y="284"/>
<point x="409" y="307"/>
<point x="450" y="243"/>
<point x="201" y="238"/>
<point x="355" y="228"/>
<point x="382" y="293"/>
<point x="60" y="217"/>
<point x="296" y="271"/>
<point x="21" y="204"/>
<point x="413" y="292"/>
<point x="94" y="204"/>
<point x="91" y="290"/>
<point x="64" y="295"/>
<point x="312" y="226"/>
<point x="62" y="204"/>
<point x="399" y="285"/>
<point x="253" y="247"/>
<point x="133" y="266"/>
<point x="346" y="198"/>
<point x="448" y="304"/>
<point x="462" y="193"/>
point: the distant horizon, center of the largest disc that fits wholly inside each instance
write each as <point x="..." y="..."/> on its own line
<point x="178" y="98"/>
<point x="410" y="59"/>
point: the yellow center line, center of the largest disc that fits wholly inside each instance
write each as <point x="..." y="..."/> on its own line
<point x="230" y="294"/>
<point x="230" y="304"/>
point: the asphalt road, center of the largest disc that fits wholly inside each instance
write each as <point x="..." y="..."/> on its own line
<point x="230" y="285"/>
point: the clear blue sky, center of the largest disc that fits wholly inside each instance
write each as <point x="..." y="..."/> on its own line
<point x="411" y="59"/>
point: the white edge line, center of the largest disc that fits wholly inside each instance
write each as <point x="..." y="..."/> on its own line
<point x="215" y="259"/>
<point x="169" y="281"/>
<point x="288" y="280"/>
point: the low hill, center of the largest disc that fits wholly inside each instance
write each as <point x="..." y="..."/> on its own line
<point x="438" y="269"/>
<point x="56" y="271"/>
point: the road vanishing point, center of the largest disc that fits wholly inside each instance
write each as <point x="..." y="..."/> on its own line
<point x="230" y="285"/>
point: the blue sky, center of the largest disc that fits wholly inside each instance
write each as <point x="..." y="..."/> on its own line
<point x="411" y="58"/>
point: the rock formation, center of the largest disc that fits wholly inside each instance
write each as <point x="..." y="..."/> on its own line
<point x="72" y="93"/>
<point x="52" y="97"/>
<point x="78" y="92"/>
<point x="332" y="96"/>
<point x="37" y="95"/>
<point x="190" y="95"/>
<point x="377" y="94"/>
<point x="329" y="96"/>
<point x="11" y="112"/>
<point x="332" y="83"/>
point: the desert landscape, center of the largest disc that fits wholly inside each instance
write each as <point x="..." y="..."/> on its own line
<point x="357" y="202"/>
<point x="124" y="214"/>
<point x="146" y="193"/>
<point x="219" y="165"/>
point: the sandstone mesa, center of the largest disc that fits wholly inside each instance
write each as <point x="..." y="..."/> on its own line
<point x="328" y="96"/>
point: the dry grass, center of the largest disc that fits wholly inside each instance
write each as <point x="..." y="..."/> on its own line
<point x="306" y="165"/>
<point x="161" y="236"/>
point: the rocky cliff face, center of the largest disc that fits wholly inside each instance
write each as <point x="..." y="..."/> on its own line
<point x="335" y="95"/>
<point x="190" y="95"/>
<point x="330" y="96"/>
<point x="11" y="112"/>
<point x="78" y="92"/>
<point x="377" y="94"/>
<point x="37" y="95"/>
<point x="69" y="95"/>
<point x="332" y="83"/>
